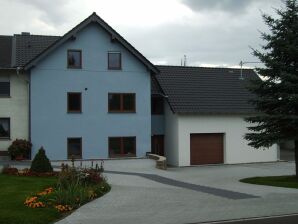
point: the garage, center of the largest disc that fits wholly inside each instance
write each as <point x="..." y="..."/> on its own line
<point x="206" y="148"/>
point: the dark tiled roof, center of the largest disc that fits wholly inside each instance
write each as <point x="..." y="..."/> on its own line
<point x="5" y="51"/>
<point x="206" y="90"/>
<point x="155" y="87"/>
<point x="28" y="47"/>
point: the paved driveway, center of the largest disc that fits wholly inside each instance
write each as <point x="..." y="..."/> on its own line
<point x="142" y="194"/>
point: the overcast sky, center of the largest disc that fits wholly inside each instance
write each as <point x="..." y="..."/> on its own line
<point x="209" y="32"/>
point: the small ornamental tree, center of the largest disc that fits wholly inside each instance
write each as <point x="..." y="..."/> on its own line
<point x="41" y="163"/>
<point x="277" y="93"/>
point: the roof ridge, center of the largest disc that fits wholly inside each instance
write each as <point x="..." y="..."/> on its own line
<point x="179" y="66"/>
<point x="40" y="35"/>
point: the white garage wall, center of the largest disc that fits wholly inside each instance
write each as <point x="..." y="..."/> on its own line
<point x="171" y="137"/>
<point x="234" y="128"/>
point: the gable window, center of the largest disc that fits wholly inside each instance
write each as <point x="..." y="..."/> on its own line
<point x="4" y="128"/>
<point x="74" y="102"/>
<point x="157" y="105"/>
<point x="4" y="89"/>
<point x="114" y="61"/>
<point x="74" y="59"/>
<point x="122" y="102"/>
<point x="122" y="146"/>
<point x="74" y="148"/>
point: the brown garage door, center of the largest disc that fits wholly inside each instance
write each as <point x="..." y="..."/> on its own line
<point x="206" y="149"/>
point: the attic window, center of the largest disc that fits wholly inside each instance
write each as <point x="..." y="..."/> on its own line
<point x="74" y="59"/>
<point x="114" y="60"/>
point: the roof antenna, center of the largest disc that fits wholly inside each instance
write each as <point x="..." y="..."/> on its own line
<point x="184" y="60"/>
<point x="241" y="74"/>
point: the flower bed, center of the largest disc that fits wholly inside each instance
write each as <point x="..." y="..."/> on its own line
<point x="74" y="188"/>
<point x="27" y="172"/>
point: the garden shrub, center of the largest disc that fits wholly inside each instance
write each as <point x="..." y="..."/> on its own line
<point x="41" y="163"/>
<point x="20" y="147"/>
<point x="10" y="171"/>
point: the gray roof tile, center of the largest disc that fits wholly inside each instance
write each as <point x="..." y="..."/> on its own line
<point x="206" y="90"/>
<point x="28" y="47"/>
<point x="5" y="51"/>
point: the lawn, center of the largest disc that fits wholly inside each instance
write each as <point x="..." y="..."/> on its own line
<point x="277" y="181"/>
<point x="13" y="192"/>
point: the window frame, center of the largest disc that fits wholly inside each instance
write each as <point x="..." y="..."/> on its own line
<point x="9" y="92"/>
<point x="81" y="146"/>
<point x="74" y="111"/>
<point x="71" y="66"/>
<point x="133" y="110"/>
<point x="158" y="111"/>
<point x="9" y="128"/>
<point x="120" y="63"/>
<point x="111" y="155"/>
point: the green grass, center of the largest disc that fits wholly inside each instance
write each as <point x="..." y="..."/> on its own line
<point x="276" y="181"/>
<point x="13" y="192"/>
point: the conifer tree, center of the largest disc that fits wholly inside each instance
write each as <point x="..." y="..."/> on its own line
<point x="277" y="92"/>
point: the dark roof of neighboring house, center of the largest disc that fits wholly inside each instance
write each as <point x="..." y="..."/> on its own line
<point x="28" y="46"/>
<point x="19" y="49"/>
<point x="93" y="18"/>
<point x="5" y="51"/>
<point x="206" y="90"/>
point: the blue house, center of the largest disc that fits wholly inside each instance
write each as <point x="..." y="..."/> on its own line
<point x="91" y="95"/>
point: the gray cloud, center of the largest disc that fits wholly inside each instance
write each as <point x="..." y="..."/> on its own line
<point x="232" y="6"/>
<point x="53" y="12"/>
<point x="203" y="45"/>
<point x="203" y="36"/>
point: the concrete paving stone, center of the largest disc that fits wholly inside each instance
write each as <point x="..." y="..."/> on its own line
<point x="137" y="199"/>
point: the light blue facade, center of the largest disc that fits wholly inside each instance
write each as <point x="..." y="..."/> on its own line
<point x="51" y="125"/>
<point x="157" y="124"/>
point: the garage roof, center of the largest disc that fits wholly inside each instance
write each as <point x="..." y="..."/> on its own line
<point x="206" y="90"/>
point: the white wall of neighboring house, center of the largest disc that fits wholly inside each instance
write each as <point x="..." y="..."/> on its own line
<point x="15" y="107"/>
<point x="236" y="149"/>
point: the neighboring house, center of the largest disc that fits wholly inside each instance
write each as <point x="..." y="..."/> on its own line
<point x="14" y="98"/>
<point x="93" y="95"/>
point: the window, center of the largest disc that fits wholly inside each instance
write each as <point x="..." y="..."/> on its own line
<point x="157" y="105"/>
<point x="74" y="102"/>
<point x="74" y="59"/>
<point x="122" y="146"/>
<point x="5" y="128"/>
<point x="114" y="60"/>
<point x="122" y="102"/>
<point x="4" y="89"/>
<point x="74" y="148"/>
